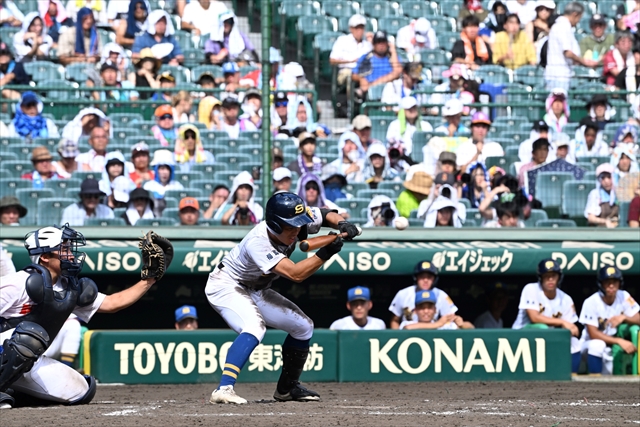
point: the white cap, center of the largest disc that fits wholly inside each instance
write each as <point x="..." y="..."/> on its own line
<point x="281" y="173"/>
<point x="356" y="20"/>
<point x="294" y="69"/>
<point x="452" y="107"/>
<point x="408" y="102"/>
<point x="561" y="140"/>
<point x="549" y="4"/>
<point x="162" y="157"/>
<point x="421" y="28"/>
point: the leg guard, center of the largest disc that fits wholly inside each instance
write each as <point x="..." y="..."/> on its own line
<point x="28" y="342"/>
<point x="90" y="393"/>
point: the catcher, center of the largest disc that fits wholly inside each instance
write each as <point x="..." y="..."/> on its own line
<point x="36" y="301"/>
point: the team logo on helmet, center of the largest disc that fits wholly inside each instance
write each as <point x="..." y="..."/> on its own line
<point x="611" y="271"/>
<point x="426" y="294"/>
<point x="426" y="264"/>
<point x="549" y="264"/>
<point x="358" y="291"/>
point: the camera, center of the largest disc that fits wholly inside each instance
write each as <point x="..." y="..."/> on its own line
<point x="387" y="213"/>
<point x="243" y="212"/>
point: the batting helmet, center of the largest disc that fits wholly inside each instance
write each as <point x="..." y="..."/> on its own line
<point x="55" y="239"/>
<point x="609" y="272"/>
<point x="286" y="209"/>
<point x="549" y="265"/>
<point x="425" y="266"/>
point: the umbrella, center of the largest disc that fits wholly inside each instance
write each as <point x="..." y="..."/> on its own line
<point x="558" y="165"/>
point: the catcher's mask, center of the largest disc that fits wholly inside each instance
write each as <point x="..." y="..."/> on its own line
<point x="63" y="240"/>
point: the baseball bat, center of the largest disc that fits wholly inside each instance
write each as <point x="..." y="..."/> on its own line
<point x="318" y="242"/>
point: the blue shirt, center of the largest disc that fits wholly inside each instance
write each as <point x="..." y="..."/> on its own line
<point x="379" y="67"/>
<point x="147" y="40"/>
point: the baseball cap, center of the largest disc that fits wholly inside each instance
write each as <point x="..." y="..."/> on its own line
<point x="167" y="76"/>
<point x="68" y="148"/>
<point x="548" y="4"/>
<point x="306" y="136"/>
<point x="480" y="118"/>
<point x="447" y="156"/>
<point x="445" y="178"/>
<point x="189" y="202"/>
<point x="421" y="28"/>
<point x="452" y="107"/>
<point x="230" y="101"/>
<point x="414" y="70"/>
<point x="29" y="97"/>
<point x="40" y="153"/>
<point x="252" y="92"/>
<point x="380" y="37"/>
<point x="539" y="143"/>
<point x="5" y="50"/>
<point x="108" y="65"/>
<point x="597" y="19"/>
<point x="540" y="125"/>
<point x="425" y="296"/>
<point x="457" y="71"/>
<point x="139" y="147"/>
<point x="186" y="312"/>
<point x="90" y="186"/>
<point x="206" y="75"/>
<point x="561" y="140"/>
<point x="280" y="97"/>
<point x="121" y="186"/>
<point x="361" y="122"/>
<point x="359" y="293"/>
<point x="274" y="55"/>
<point x="281" y="173"/>
<point x="162" y="110"/>
<point x="408" y="102"/>
<point x="230" y="68"/>
<point x="356" y="20"/>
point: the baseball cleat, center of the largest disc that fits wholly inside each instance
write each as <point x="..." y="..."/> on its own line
<point x="6" y="401"/>
<point x="226" y="394"/>
<point x="297" y="394"/>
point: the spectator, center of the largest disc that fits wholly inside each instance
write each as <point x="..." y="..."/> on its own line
<point x="189" y="149"/>
<point x="618" y="58"/>
<point x="408" y="82"/>
<point x="512" y="48"/>
<point x="32" y="42"/>
<point x="478" y="187"/>
<point x="525" y="9"/>
<point x="602" y="209"/>
<point x="557" y="107"/>
<point x="442" y="213"/>
<point x="94" y="159"/>
<point x="140" y="206"/>
<point x="182" y="104"/>
<point x="134" y="24"/>
<point x="634" y="108"/>
<point x="11" y="15"/>
<point x="29" y="123"/>
<point x="538" y="29"/>
<point x="227" y="42"/>
<point x="67" y="165"/>
<point x="359" y="304"/>
<point x="11" y="210"/>
<point x="350" y="162"/>
<point x="84" y="122"/>
<point x="231" y="122"/>
<point x="113" y="52"/>
<point x="307" y="161"/>
<point x="11" y="73"/>
<point x="629" y="77"/>
<point x="114" y="167"/>
<point x="146" y="71"/>
<point x="417" y="188"/>
<point x="377" y="166"/>
<point x="627" y="134"/>
<point x="377" y="67"/>
<point x="471" y="50"/>
<point x="240" y="208"/>
<point x="334" y="183"/>
<point x="452" y="113"/>
<point x="447" y="163"/>
<point x="624" y="162"/>
<point x="494" y="22"/>
<point x="209" y="112"/>
<point x="166" y="82"/>
<point x="231" y="84"/>
<point x="588" y="141"/>
<point x="187" y="316"/>
<point x="633" y="216"/>
<point x="80" y="43"/>
<point x="97" y="7"/>
<point x="189" y="211"/>
<point x="117" y="90"/>
<point x="140" y="160"/>
<point x="628" y="16"/>
<point x="202" y="16"/>
<point x="348" y="49"/>
<point x="216" y="199"/>
<point x="119" y="191"/>
<point x="311" y="190"/>
<point x="425" y="278"/>
<point x="540" y="130"/>
<point x="159" y="37"/>
<point x="381" y="212"/>
<point x="425" y="311"/>
<point x="497" y="300"/>
<point x="539" y="154"/>
<point x="277" y="158"/>
<point x="562" y="144"/>
<point x="417" y="36"/>
<point x="544" y="303"/>
<point x="476" y="148"/>
<point x="300" y="119"/>
<point x="252" y="107"/>
<point x="279" y="113"/>
<point x="361" y="126"/>
<point x="472" y="8"/>
<point x="281" y="180"/>
<point x="456" y="77"/>
<point x="595" y="45"/>
<point x="600" y="111"/>
<point x="164" y="169"/>
<point x="408" y="122"/>
<point x="43" y="170"/>
<point x="89" y="205"/>
<point x="563" y="48"/>
<point x="165" y="130"/>
<point x="507" y="212"/>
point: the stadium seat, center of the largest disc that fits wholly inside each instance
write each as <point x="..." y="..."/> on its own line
<point x="173" y="213"/>
<point x="112" y="222"/>
<point x="379" y="127"/>
<point x="6" y="156"/>
<point x="469" y="222"/>
<point x="26" y="6"/>
<point x="353" y="187"/>
<point x="449" y="8"/>
<point x="494" y="74"/>
<point x="623" y="214"/>
<point x="530" y="75"/>
<point x="226" y="177"/>
<point x="59" y="186"/>
<point x="536" y="215"/>
<point x="50" y="143"/>
<point x="50" y="209"/>
<point x="391" y="24"/>
<point x="308" y="27"/>
<point x="184" y="39"/>
<point x="77" y="72"/>
<point x="233" y="159"/>
<point x="322" y="45"/>
<point x="556" y="223"/>
<point x="151" y="141"/>
<point x="193" y="57"/>
<point x="443" y="24"/>
<point x="354" y="205"/>
<point x="66" y="91"/>
<point x="474" y="214"/>
<point x="379" y="8"/>
<point x="82" y="175"/>
<point x="549" y="187"/>
<point x="395" y="186"/>
<point x="290" y="11"/>
<point x="9" y="185"/>
<point x="252" y="150"/>
<point x="17" y="167"/>
<point x="370" y="194"/>
<point x="207" y="185"/>
<point x="254" y="137"/>
<point x="125" y="120"/>
<point x="375" y="93"/>
<point x="337" y="8"/>
<point x="124" y="133"/>
<point x="187" y="192"/>
<point x="29" y="199"/>
<point x="44" y="70"/>
<point x="180" y="73"/>
<point x="417" y="9"/>
<point x="203" y="222"/>
<point x="6" y="141"/>
<point x="446" y="38"/>
<point x="574" y="197"/>
<point x="197" y="72"/>
<point x="185" y="178"/>
<point x="156" y="222"/>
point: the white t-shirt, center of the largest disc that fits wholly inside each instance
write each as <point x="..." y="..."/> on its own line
<point x="593" y="203"/>
<point x="234" y="130"/>
<point x="251" y="261"/>
<point x="118" y="9"/>
<point x="447" y="326"/>
<point x="561" y="39"/>
<point x="596" y="312"/>
<point x="467" y="150"/>
<point x="406" y="40"/>
<point x="526" y="12"/>
<point x="533" y="298"/>
<point x="393" y="133"/>
<point x="14" y="301"/>
<point x="347" y="48"/>
<point x="206" y="20"/>
<point x="348" y="324"/>
<point x="91" y="158"/>
<point x="487" y="321"/>
<point x="405" y="301"/>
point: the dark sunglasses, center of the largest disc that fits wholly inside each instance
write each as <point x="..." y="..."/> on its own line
<point x="282" y="104"/>
<point x="92" y="196"/>
<point x="166" y="116"/>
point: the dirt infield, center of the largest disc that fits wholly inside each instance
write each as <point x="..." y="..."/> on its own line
<point x="580" y="404"/>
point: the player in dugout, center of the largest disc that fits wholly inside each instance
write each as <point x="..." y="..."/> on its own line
<point x="359" y="304"/>
<point x="425" y="310"/>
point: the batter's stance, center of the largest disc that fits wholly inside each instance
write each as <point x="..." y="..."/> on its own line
<point x="239" y="290"/>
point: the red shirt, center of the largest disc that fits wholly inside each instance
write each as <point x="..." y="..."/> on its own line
<point x="634" y="210"/>
<point x="608" y="64"/>
<point x="135" y="176"/>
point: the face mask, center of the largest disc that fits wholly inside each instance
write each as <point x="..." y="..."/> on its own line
<point x="333" y="192"/>
<point x="354" y="156"/>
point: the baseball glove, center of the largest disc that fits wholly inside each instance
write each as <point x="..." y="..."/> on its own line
<point x="157" y="254"/>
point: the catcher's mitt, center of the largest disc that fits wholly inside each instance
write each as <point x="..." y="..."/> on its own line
<point x="157" y="254"/>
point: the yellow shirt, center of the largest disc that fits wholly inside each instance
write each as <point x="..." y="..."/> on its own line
<point x="522" y="48"/>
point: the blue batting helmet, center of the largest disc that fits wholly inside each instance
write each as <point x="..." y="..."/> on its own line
<point x="609" y="272"/>
<point x="286" y="209"/>
<point x="547" y="266"/>
<point x="425" y="266"/>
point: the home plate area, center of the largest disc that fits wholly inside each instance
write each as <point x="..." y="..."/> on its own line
<point x="551" y="404"/>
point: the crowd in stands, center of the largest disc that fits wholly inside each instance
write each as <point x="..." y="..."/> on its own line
<point x="423" y="141"/>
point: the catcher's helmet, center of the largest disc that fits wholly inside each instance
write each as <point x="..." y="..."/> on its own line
<point x="549" y="265"/>
<point x="425" y="266"/>
<point x="609" y="272"/>
<point x="53" y="239"/>
<point x="286" y="209"/>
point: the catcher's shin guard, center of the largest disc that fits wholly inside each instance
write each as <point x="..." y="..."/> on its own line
<point x="28" y="342"/>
